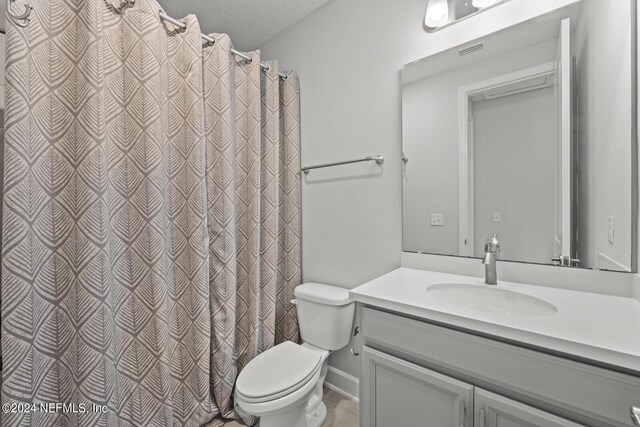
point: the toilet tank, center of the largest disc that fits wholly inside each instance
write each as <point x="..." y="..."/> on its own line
<point x="325" y="315"/>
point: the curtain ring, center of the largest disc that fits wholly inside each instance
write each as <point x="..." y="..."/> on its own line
<point x="24" y="23"/>
<point x="20" y="16"/>
<point x="122" y="6"/>
<point x="208" y="40"/>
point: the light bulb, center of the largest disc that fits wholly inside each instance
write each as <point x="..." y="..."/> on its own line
<point x="479" y="4"/>
<point x="437" y="13"/>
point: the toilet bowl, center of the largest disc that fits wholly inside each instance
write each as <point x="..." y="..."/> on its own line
<point x="278" y="385"/>
<point x="283" y="385"/>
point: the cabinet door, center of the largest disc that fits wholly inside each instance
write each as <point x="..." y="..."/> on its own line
<point x="492" y="410"/>
<point x="395" y="392"/>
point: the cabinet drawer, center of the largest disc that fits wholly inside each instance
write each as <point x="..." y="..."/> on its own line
<point x="585" y="392"/>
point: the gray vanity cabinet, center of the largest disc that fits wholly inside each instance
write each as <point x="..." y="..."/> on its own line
<point x="415" y="373"/>
<point x="399" y="393"/>
<point x="493" y="410"/>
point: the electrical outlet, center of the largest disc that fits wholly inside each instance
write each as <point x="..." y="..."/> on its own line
<point x="437" y="220"/>
<point x="611" y="230"/>
<point x="497" y="217"/>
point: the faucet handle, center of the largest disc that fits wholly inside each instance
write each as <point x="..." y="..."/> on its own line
<point x="492" y="244"/>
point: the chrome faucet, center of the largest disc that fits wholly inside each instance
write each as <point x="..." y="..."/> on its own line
<point x="491" y="248"/>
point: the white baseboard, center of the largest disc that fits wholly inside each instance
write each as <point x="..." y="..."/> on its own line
<point x="343" y="383"/>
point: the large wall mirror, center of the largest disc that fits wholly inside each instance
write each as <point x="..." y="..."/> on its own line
<point x="527" y="133"/>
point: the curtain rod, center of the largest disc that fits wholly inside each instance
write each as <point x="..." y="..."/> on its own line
<point x="131" y="3"/>
<point x="211" y="40"/>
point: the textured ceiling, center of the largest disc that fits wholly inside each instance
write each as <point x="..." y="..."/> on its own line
<point x="250" y="23"/>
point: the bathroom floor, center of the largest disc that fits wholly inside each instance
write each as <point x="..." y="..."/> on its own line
<point x="341" y="411"/>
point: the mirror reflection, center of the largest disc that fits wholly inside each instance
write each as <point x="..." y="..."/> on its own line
<point x="528" y="134"/>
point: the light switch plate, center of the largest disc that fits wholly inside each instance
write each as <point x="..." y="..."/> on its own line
<point x="437" y="220"/>
<point x="497" y="217"/>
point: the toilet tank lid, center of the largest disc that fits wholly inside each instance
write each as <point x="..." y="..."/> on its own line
<point x="323" y="294"/>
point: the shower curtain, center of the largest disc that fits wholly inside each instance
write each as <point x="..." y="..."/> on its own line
<point x="151" y="230"/>
<point x="253" y="183"/>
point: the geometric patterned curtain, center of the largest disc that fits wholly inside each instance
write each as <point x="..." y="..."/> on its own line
<point x="289" y="210"/>
<point x="151" y="230"/>
<point x="253" y="184"/>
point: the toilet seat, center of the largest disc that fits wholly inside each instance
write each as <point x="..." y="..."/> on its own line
<point x="278" y="372"/>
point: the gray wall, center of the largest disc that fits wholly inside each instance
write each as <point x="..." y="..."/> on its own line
<point x="348" y="55"/>
<point x="430" y="141"/>
<point x="514" y="174"/>
<point x="604" y="131"/>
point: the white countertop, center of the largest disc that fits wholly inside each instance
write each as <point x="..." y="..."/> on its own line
<point x="600" y="328"/>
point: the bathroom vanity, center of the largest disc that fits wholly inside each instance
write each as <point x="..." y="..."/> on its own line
<point x="510" y="134"/>
<point x="447" y="350"/>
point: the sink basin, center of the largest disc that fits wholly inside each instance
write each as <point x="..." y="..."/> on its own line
<point x="491" y="300"/>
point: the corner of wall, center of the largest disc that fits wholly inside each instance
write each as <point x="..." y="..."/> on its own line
<point x="343" y="383"/>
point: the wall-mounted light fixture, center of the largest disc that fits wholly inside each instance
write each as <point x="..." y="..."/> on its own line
<point x="437" y="13"/>
<point x="442" y="13"/>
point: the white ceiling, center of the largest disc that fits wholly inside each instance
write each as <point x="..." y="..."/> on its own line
<point x="250" y="23"/>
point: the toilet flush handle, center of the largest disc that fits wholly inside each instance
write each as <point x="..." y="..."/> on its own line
<point x="294" y="301"/>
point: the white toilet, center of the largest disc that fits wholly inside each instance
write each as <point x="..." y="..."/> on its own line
<point x="283" y="385"/>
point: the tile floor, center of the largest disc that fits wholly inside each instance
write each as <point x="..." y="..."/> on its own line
<point x="341" y="411"/>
